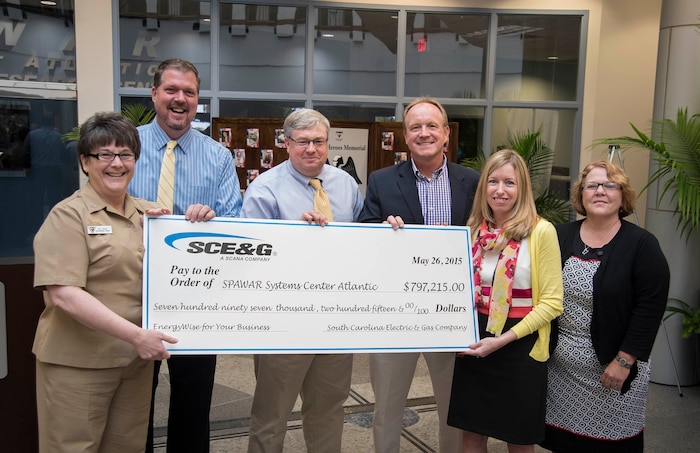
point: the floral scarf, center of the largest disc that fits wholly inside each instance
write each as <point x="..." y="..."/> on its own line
<point x="501" y="292"/>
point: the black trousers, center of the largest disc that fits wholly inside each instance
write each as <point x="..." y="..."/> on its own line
<point x="191" y="385"/>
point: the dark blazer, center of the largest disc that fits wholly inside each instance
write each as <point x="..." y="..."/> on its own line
<point x="392" y="191"/>
<point x="630" y="291"/>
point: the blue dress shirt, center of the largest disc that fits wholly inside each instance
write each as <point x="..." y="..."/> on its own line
<point x="204" y="171"/>
<point x="285" y="194"/>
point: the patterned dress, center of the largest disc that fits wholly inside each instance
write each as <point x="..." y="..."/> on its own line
<point x="577" y="403"/>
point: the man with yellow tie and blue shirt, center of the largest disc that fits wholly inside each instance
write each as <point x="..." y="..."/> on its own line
<point x="191" y="174"/>
<point x="304" y="188"/>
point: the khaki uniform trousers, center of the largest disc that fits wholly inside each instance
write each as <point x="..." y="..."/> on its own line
<point x="93" y="410"/>
<point x="322" y="380"/>
<point x="391" y="375"/>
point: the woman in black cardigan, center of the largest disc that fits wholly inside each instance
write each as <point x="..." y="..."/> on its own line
<point x="616" y="281"/>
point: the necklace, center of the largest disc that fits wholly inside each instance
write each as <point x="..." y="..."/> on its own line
<point x="601" y="239"/>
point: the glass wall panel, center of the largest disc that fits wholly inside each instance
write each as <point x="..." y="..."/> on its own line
<point x="151" y="31"/>
<point x="257" y="109"/>
<point x="537" y="57"/>
<point x="356" y="111"/>
<point x="352" y="71"/>
<point x="446" y="55"/>
<point x="37" y="168"/>
<point x="262" y="48"/>
<point x="556" y="129"/>
<point x="355" y="52"/>
<point x="37" y="42"/>
<point x="471" y="129"/>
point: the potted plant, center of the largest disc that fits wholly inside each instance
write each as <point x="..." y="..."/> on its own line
<point x="677" y="155"/>
<point x="691" y="316"/>
<point x="139" y="114"/>
<point x="691" y="324"/>
<point x="675" y="152"/>
<point x="538" y="157"/>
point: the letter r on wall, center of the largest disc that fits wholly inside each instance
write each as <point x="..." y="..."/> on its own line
<point x="146" y="41"/>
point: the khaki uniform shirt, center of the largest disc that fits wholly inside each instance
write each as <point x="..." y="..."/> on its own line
<point x="84" y="242"/>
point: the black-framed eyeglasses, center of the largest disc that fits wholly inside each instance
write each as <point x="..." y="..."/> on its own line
<point x="304" y="143"/>
<point x="127" y="156"/>
<point x="593" y="186"/>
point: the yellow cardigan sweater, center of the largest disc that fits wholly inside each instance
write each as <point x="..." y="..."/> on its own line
<point x="547" y="288"/>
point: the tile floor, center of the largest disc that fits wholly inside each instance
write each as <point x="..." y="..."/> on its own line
<point x="673" y="422"/>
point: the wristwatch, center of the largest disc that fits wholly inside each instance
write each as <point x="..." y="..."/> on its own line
<point x="623" y="362"/>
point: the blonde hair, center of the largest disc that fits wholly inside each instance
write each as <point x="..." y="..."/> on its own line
<point x="426" y="100"/>
<point x="524" y="215"/>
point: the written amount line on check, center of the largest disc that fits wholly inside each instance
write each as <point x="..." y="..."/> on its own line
<point x="407" y="308"/>
<point x="250" y="286"/>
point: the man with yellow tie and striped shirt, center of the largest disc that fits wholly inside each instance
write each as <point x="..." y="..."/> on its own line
<point x="193" y="175"/>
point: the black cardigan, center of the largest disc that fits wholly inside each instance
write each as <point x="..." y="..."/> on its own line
<point x="630" y="291"/>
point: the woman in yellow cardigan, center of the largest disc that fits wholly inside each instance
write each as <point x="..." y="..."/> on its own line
<point x="500" y="383"/>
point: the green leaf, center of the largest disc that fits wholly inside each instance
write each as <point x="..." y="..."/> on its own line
<point x="552" y="207"/>
<point x="677" y="156"/>
<point x="139" y="114"/>
<point x="538" y="157"/>
<point x="72" y="135"/>
<point x="475" y="163"/>
<point x="691" y="316"/>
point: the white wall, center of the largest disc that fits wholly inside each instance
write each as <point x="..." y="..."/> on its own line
<point x="94" y="62"/>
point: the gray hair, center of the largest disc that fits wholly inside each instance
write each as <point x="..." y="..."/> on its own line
<point x="304" y="119"/>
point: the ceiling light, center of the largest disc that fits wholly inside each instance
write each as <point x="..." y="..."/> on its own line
<point x="48" y="3"/>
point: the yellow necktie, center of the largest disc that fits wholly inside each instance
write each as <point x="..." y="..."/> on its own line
<point x="166" y="183"/>
<point x="321" y="202"/>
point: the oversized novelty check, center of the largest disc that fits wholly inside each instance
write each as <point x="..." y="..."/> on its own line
<point x="240" y="286"/>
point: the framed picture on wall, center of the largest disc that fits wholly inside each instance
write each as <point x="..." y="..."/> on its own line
<point x="225" y="136"/>
<point x="252" y="137"/>
<point x="388" y="140"/>
<point x="251" y="175"/>
<point x="239" y="157"/>
<point x="279" y="138"/>
<point x="400" y="156"/>
<point x="266" y="158"/>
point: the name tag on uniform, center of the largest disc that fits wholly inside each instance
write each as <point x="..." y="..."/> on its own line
<point x="99" y="229"/>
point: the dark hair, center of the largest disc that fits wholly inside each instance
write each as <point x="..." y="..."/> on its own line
<point x="616" y="175"/>
<point x="175" y="63"/>
<point x="107" y="128"/>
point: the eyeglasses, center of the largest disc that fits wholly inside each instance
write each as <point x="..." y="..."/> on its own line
<point x="304" y="143"/>
<point x="109" y="157"/>
<point x="593" y="186"/>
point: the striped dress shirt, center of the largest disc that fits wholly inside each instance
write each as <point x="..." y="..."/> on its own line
<point x="204" y="171"/>
<point x="435" y="195"/>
